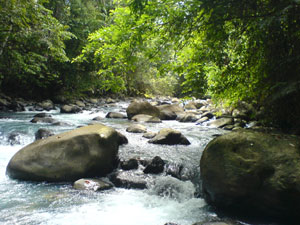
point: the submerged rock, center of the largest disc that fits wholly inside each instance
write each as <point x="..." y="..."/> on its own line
<point x="141" y="107"/>
<point x="169" y="136"/>
<point x="84" y="152"/>
<point x="43" y="133"/>
<point x="43" y="120"/>
<point x="129" y="179"/>
<point x="14" y="138"/>
<point x="130" y="164"/>
<point x="253" y="173"/>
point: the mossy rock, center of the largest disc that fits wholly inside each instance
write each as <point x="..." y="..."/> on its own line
<point x="253" y="173"/>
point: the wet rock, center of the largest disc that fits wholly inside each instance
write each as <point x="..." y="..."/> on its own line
<point x="145" y="118"/>
<point x="122" y="139"/>
<point x="46" y="105"/>
<point x="174" y="170"/>
<point x="189" y="117"/>
<point x="169" y="112"/>
<point x="14" y="138"/>
<point x="141" y="107"/>
<point x="17" y="106"/>
<point x="4" y="104"/>
<point x="130" y="164"/>
<point x="98" y="118"/>
<point x="80" y="103"/>
<point x="93" y="101"/>
<point x="171" y="224"/>
<point x="171" y="187"/>
<point x="43" y="120"/>
<point x="209" y="115"/>
<point x="84" y="152"/>
<point x="129" y="179"/>
<point x="190" y="105"/>
<point x="253" y="173"/>
<point x="228" y="127"/>
<point x="92" y="185"/>
<point x="70" y="109"/>
<point x="63" y="124"/>
<point x="221" y="122"/>
<point x="115" y="115"/>
<point x="149" y="135"/>
<point x="110" y="101"/>
<point x="136" y="128"/>
<point x="156" y="166"/>
<point x="202" y="120"/>
<point x="43" y="133"/>
<point x="42" y="115"/>
<point x="169" y="136"/>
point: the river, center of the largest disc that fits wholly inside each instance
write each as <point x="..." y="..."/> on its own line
<point x="58" y="203"/>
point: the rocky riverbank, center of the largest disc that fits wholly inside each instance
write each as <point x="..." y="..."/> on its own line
<point x="245" y="171"/>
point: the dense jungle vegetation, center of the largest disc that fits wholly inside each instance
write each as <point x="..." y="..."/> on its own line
<point x="231" y="50"/>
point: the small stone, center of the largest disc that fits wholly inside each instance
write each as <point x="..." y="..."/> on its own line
<point x="156" y="166"/>
<point x="92" y="185"/>
<point x="136" y="128"/>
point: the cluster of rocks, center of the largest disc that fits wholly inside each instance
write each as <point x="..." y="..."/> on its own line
<point x="66" y="106"/>
<point x="140" y="173"/>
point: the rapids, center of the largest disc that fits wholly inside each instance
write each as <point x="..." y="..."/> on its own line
<point x="166" y="200"/>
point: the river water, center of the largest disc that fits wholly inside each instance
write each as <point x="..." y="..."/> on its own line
<point x="58" y="203"/>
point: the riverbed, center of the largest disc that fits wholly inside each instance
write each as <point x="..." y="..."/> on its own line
<point x="58" y="203"/>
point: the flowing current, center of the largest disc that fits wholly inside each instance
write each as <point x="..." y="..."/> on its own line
<point x="167" y="200"/>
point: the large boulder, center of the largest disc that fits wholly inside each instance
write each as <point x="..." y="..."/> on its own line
<point x="253" y="173"/>
<point x="141" y="107"/>
<point x="84" y="152"/>
<point x="168" y="136"/>
<point x="169" y="112"/>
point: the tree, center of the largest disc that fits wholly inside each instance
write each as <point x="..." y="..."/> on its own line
<point x="31" y="41"/>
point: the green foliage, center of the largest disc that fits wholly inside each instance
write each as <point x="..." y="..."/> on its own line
<point x="31" y="40"/>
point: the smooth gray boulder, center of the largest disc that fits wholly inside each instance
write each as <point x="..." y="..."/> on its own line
<point x="84" y="152"/>
<point x="141" y="107"/>
<point x="70" y="109"/>
<point x="169" y="112"/>
<point x="168" y="136"/>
